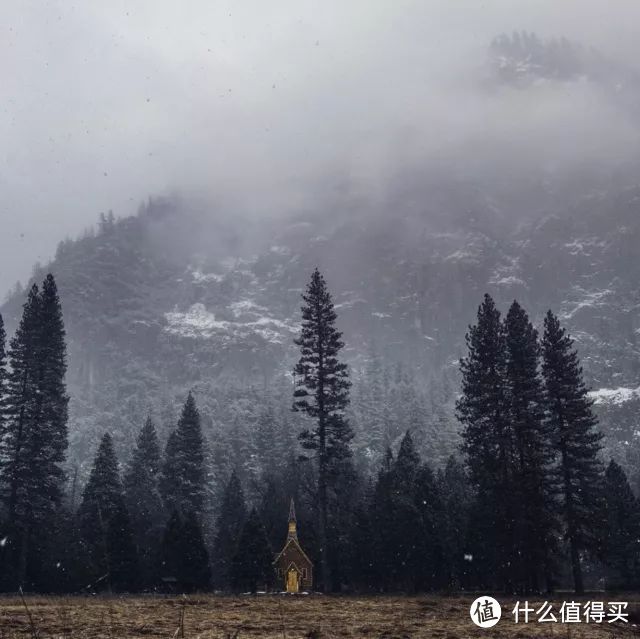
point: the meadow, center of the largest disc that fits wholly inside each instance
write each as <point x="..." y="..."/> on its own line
<point x="280" y="617"/>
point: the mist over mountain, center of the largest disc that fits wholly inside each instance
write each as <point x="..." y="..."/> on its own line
<point x="529" y="191"/>
<point x="174" y="298"/>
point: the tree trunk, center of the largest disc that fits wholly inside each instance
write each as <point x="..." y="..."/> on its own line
<point x="576" y="568"/>
<point x="22" y="558"/>
<point x="323" y="524"/>
<point x="322" y="474"/>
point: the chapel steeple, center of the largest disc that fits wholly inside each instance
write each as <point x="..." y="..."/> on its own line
<point x="292" y="532"/>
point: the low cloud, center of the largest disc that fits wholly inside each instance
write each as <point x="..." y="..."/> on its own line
<point x="260" y="106"/>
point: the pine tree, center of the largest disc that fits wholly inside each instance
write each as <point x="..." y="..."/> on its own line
<point x="20" y="405"/>
<point x="382" y="515"/>
<point x="396" y="520"/>
<point x="621" y="543"/>
<point x="322" y="393"/>
<point x="405" y="540"/>
<point x="488" y="442"/>
<point x="183" y="474"/>
<point x="34" y="437"/>
<point x="574" y="435"/>
<point x="231" y="518"/>
<point x="104" y="521"/>
<point x="53" y="397"/>
<point x="252" y="565"/>
<point x="143" y="497"/>
<point x="533" y="515"/>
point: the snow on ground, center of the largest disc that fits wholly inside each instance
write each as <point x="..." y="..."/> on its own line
<point x="614" y="395"/>
<point x="245" y="306"/>
<point x="198" y="322"/>
<point x="461" y="256"/>
<point x="508" y="274"/>
<point x="510" y="280"/>
<point x="202" y="278"/>
<point x="280" y="250"/>
<point x="584" y="246"/>
<point x="586" y="299"/>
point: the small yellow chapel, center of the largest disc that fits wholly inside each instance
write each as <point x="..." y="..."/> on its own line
<point x="294" y="570"/>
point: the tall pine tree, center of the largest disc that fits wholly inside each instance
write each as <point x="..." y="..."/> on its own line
<point x="322" y="393"/>
<point x="488" y="443"/>
<point x="533" y="454"/>
<point x="183" y="474"/>
<point x="252" y="565"/>
<point x="572" y="426"/>
<point x="231" y="518"/>
<point x="104" y="522"/>
<point x="143" y="497"/>
<point x="34" y="437"/>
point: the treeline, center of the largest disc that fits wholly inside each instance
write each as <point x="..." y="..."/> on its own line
<point x="526" y="507"/>
<point x="532" y="447"/>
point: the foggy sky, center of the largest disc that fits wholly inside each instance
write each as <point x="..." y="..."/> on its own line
<point x="104" y="104"/>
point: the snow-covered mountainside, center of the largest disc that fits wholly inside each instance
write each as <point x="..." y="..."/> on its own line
<point x="149" y="316"/>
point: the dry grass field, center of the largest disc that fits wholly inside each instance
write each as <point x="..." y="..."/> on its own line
<point x="281" y="617"/>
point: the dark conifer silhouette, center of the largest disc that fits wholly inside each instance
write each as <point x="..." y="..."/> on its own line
<point x="533" y="487"/>
<point x="141" y="486"/>
<point x="104" y="522"/>
<point x="231" y="518"/>
<point x="34" y="438"/>
<point x="252" y="566"/>
<point x="572" y="426"/>
<point x="621" y="542"/>
<point x="183" y="473"/>
<point x="488" y="443"/>
<point x="322" y="393"/>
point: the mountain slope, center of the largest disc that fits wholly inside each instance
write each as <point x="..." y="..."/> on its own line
<point x="149" y="316"/>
